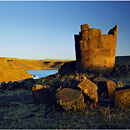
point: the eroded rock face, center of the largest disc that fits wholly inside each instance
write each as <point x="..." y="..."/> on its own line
<point x="69" y="98"/>
<point x="122" y="97"/>
<point x="89" y="89"/>
<point x="94" y="50"/>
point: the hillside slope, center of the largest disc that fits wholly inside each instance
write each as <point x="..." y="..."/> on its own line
<point x="13" y="69"/>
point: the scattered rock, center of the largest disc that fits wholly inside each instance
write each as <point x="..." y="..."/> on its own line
<point x="16" y="85"/>
<point x="56" y="83"/>
<point x="43" y="94"/>
<point x="25" y="84"/>
<point x="10" y="85"/>
<point x="37" y="87"/>
<point x="89" y="89"/>
<point x="95" y="80"/>
<point x="122" y="97"/>
<point x="69" y="98"/>
<point x="29" y="80"/>
<point x="64" y="84"/>
<point x="4" y="85"/>
<point x="121" y="70"/>
<point x="28" y="83"/>
<point x="107" y="88"/>
<point x="74" y="85"/>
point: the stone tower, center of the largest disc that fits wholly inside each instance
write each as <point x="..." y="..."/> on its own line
<point x="95" y="51"/>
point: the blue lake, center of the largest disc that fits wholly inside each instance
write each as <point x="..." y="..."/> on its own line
<point x="41" y="73"/>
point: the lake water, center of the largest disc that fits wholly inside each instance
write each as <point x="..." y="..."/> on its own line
<point x="41" y="73"/>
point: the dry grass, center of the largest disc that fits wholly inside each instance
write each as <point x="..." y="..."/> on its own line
<point x="30" y="116"/>
<point x="26" y="115"/>
<point x="13" y="69"/>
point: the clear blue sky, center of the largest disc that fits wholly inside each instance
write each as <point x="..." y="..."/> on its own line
<point x="40" y="30"/>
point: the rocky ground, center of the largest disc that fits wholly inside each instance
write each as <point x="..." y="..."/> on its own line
<point x="90" y="101"/>
<point x="19" y="110"/>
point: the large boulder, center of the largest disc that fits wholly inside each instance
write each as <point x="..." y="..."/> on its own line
<point x="107" y="88"/>
<point x="43" y="94"/>
<point x="89" y="89"/>
<point x="122" y="97"/>
<point x="70" y="99"/>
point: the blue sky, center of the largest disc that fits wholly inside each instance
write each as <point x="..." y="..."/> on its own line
<point x="41" y="30"/>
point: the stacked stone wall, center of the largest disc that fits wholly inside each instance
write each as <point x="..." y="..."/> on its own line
<point x="95" y="51"/>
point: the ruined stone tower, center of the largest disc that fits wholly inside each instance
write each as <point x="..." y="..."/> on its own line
<point x="95" y="51"/>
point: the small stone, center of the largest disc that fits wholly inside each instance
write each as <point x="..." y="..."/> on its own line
<point x="85" y="27"/>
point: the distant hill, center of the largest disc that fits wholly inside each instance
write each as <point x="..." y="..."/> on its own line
<point x="121" y="60"/>
<point x="13" y="69"/>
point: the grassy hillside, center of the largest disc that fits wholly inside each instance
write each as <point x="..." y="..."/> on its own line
<point x="13" y="69"/>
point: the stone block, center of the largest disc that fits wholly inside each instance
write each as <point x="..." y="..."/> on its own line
<point x="107" y="88"/>
<point x="110" y="62"/>
<point x="37" y="87"/>
<point x="85" y="27"/>
<point x="77" y="38"/>
<point x="83" y="45"/>
<point x="94" y="43"/>
<point x="102" y="48"/>
<point x="98" y="62"/>
<point x="102" y="52"/>
<point x="87" y="54"/>
<point x="115" y="29"/>
<point x="122" y="97"/>
<point x="70" y="99"/>
<point x="86" y="63"/>
<point x="84" y="35"/>
<point x="108" y="42"/>
<point x="64" y="84"/>
<point x="89" y="89"/>
<point x="44" y="95"/>
<point x="94" y="33"/>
